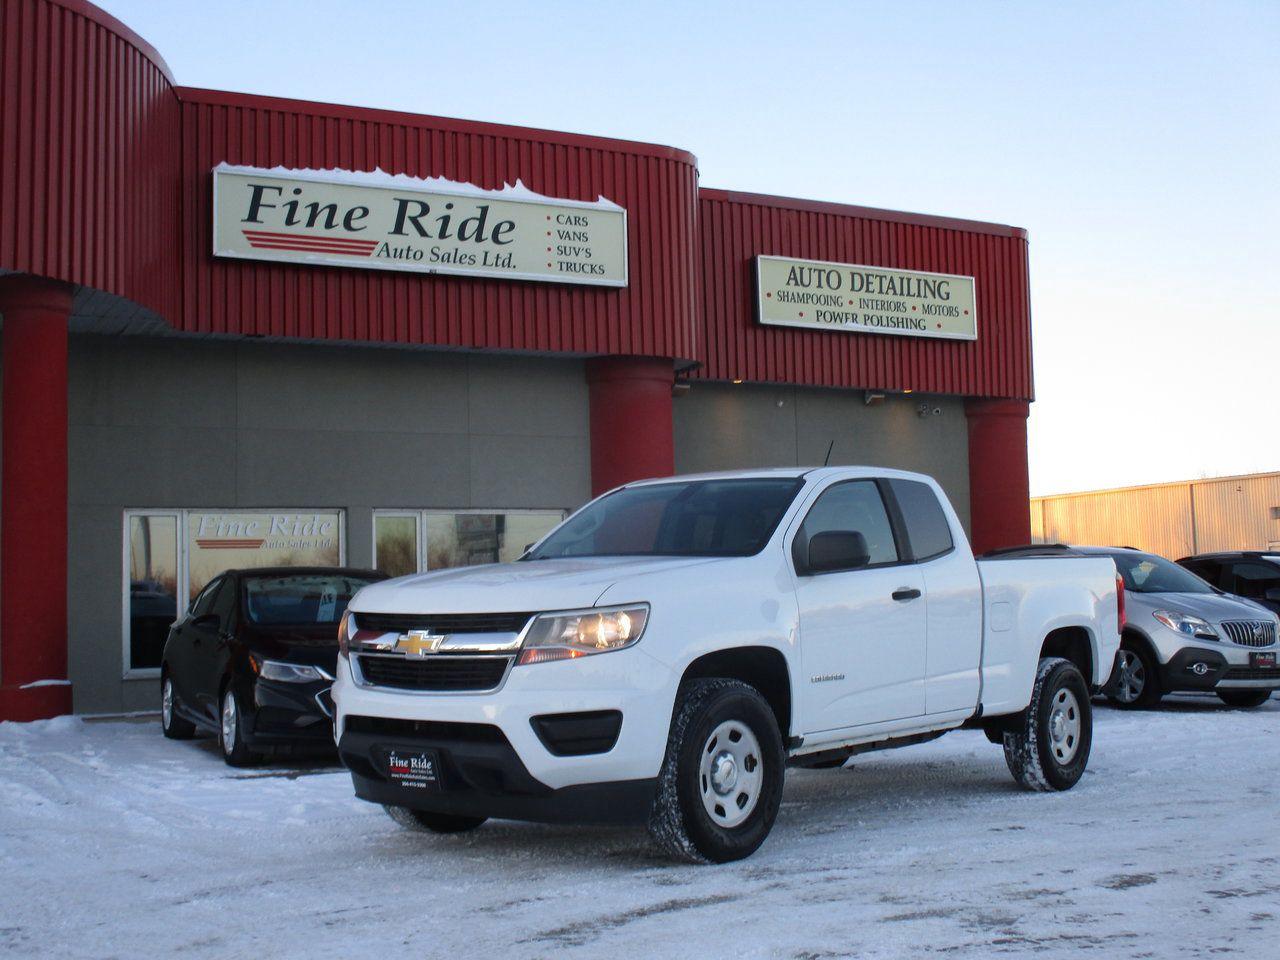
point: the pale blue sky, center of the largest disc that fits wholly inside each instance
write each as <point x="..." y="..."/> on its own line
<point x="1137" y="142"/>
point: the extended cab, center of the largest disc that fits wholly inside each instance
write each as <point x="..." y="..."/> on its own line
<point x="665" y="653"/>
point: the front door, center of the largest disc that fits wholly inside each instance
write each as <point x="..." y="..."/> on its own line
<point x="862" y="630"/>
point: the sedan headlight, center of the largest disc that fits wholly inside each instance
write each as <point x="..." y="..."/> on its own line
<point x="291" y="672"/>
<point x="1185" y="623"/>
<point x="579" y="633"/>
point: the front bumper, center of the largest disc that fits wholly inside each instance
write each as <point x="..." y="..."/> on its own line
<point x="494" y="760"/>
<point x="290" y="715"/>
<point x="1201" y="667"/>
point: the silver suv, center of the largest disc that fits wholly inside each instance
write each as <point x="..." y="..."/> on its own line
<point x="1183" y="634"/>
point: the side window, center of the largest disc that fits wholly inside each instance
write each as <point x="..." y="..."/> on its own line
<point x="1253" y="579"/>
<point x="855" y="506"/>
<point x="927" y="526"/>
<point x="204" y="602"/>
<point x="1208" y="570"/>
<point x="224" y="603"/>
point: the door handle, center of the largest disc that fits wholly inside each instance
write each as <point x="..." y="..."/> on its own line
<point x="906" y="593"/>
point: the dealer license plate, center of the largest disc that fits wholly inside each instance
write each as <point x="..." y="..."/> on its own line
<point x="1267" y="659"/>
<point x="418" y="769"/>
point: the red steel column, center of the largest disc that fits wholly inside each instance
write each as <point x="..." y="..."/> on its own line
<point x="631" y="433"/>
<point x="33" y="499"/>
<point x="999" y="491"/>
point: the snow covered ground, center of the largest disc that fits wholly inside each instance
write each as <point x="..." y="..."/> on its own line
<point x="117" y="843"/>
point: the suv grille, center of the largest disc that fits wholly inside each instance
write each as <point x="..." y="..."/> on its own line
<point x="443" y="622"/>
<point x="1252" y="673"/>
<point x="1250" y="633"/>
<point x="443" y="672"/>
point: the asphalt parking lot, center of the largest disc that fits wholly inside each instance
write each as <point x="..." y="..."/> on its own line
<point x="117" y="843"/>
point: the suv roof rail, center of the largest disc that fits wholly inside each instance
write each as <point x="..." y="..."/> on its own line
<point x="1031" y="550"/>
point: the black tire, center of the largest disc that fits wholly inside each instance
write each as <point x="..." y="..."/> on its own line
<point x="1048" y="748"/>
<point x="174" y="726"/>
<point x="1243" y="698"/>
<point x="680" y="822"/>
<point x="234" y="750"/>
<point x="1141" y="689"/>
<point x="425" y="820"/>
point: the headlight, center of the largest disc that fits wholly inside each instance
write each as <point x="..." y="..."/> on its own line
<point x="291" y="672"/>
<point x="1185" y="623"/>
<point x="578" y="633"/>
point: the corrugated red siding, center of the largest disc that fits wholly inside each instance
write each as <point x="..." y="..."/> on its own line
<point x="653" y="316"/>
<point x="89" y="135"/>
<point x="734" y="228"/>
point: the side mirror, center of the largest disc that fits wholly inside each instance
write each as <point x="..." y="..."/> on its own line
<point x="837" y="550"/>
<point x="209" y="621"/>
<point x="1272" y="594"/>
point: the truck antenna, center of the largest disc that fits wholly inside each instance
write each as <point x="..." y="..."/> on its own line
<point x="827" y="460"/>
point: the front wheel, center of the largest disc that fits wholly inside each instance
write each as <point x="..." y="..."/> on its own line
<point x="1244" y="698"/>
<point x="1135" y="679"/>
<point x="1048" y="748"/>
<point x="721" y="781"/>
<point x="231" y="732"/>
<point x="425" y="820"/>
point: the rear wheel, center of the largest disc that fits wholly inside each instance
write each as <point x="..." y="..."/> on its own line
<point x="1244" y="698"/>
<point x="425" y="820"/>
<point x="721" y="781"/>
<point x="1135" y="679"/>
<point x="1048" y="747"/>
<point x="174" y="727"/>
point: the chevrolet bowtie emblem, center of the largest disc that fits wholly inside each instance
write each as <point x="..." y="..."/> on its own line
<point x="419" y="643"/>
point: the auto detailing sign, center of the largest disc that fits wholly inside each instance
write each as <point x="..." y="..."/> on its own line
<point x="377" y="221"/>
<point x="853" y="298"/>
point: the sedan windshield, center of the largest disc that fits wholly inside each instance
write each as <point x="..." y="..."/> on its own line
<point x="697" y="518"/>
<point x="298" y="599"/>
<point x="1144" y="573"/>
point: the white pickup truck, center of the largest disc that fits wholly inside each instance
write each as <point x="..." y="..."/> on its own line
<point x="666" y="652"/>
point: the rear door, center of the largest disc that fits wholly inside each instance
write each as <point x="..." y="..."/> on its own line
<point x="953" y="644"/>
<point x="862" y="630"/>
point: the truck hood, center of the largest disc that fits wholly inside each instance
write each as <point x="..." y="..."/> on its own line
<point x="1207" y="606"/>
<point x="524" y="586"/>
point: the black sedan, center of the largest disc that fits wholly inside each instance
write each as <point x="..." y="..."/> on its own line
<point x="253" y="659"/>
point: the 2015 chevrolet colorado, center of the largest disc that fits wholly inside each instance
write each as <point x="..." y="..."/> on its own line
<point x="667" y="651"/>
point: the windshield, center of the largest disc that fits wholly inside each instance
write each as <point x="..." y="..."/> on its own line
<point x="697" y="518"/>
<point x="298" y="599"/>
<point x="1143" y="573"/>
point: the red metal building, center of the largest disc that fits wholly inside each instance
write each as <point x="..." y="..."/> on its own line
<point x="106" y="188"/>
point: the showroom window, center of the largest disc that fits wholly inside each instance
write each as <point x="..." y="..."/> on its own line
<point x="410" y="541"/>
<point x="171" y="555"/>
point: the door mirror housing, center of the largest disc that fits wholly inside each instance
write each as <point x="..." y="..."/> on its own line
<point x="208" y="621"/>
<point x="1272" y="594"/>
<point x="837" y="550"/>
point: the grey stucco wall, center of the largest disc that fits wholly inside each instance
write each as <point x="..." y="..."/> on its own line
<point x="730" y="426"/>
<point x="210" y="423"/>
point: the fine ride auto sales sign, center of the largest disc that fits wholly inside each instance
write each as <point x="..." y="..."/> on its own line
<point x="851" y="298"/>
<point x="379" y="221"/>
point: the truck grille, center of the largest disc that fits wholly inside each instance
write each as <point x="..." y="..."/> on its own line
<point x="1250" y="633"/>
<point x="443" y="622"/>
<point x="442" y="672"/>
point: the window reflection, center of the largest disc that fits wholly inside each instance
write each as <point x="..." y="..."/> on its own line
<point x="153" y="586"/>
<point x="457" y="539"/>
<point x="396" y="544"/>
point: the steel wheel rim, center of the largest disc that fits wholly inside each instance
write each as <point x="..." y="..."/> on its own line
<point x="730" y="773"/>
<point x="1065" y="725"/>
<point x="166" y="703"/>
<point x="1133" y="677"/>
<point x="229" y="720"/>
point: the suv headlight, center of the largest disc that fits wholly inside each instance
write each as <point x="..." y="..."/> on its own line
<point x="1185" y="623"/>
<point x="579" y="633"/>
<point x="291" y="672"/>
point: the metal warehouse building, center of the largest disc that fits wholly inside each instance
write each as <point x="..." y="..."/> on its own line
<point x="1171" y="519"/>
<point x="240" y="330"/>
